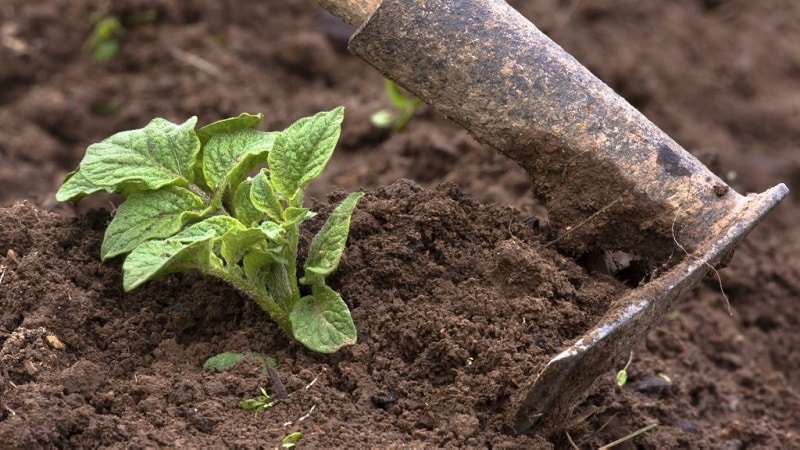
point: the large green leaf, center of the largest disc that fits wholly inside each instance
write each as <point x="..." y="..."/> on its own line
<point x="322" y="321"/>
<point x="301" y="151"/>
<point x="328" y="245"/>
<point x="149" y="215"/>
<point x="228" y="158"/>
<point x="160" y="154"/>
<point x="76" y="186"/>
<point x="153" y="259"/>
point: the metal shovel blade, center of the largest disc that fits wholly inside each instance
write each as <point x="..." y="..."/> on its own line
<point x="550" y="397"/>
<point x="589" y="153"/>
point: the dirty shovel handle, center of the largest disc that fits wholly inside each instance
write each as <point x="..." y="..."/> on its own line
<point x="354" y="12"/>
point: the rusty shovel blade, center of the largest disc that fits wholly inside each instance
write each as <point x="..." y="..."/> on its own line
<point x="590" y="155"/>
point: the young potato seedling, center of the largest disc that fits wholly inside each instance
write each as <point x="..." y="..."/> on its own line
<point x="192" y="207"/>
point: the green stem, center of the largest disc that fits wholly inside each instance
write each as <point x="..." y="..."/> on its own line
<point x="293" y="235"/>
<point x="261" y="297"/>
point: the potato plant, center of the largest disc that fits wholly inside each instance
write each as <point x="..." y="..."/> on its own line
<point x="192" y="206"/>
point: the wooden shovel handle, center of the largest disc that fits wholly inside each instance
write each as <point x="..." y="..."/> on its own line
<point x="353" y="12"/>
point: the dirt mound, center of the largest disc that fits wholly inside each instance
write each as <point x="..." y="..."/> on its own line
<point x="456" y="304"/>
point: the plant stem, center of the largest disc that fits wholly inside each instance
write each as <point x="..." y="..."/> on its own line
<point x="293" y="235"/>
<point x="262" y="298"/>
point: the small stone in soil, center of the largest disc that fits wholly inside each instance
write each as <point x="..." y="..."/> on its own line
<point x="383" y="399"/>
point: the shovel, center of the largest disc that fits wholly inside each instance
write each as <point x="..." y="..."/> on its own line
<point x="611" y="180"/>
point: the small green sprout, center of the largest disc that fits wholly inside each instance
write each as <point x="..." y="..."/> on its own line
<point x="622" y="375"/>
<point x="259" y="403"/>
<point x="103" y="43"/>
<point x="191" y="206"/>
<point x="403" y="106"/>
<point x="291" y="439"/>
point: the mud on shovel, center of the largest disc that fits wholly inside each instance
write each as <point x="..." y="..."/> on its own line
<point x="610" y="179"/>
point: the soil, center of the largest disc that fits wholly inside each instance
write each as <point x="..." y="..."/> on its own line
<point x="455" y="297"/>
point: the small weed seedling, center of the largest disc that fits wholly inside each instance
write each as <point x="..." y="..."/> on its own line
<point x="259" y="403"/>
<point x="622" y="375"/>
<point x="403" y="104"/>
<point x="192" y="207"/>
<point x="291" y="440"/>
<point x="104" y="40"/>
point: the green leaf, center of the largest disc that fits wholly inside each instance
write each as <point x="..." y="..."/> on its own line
<point x="622" y="377"/>
<point x="301" y="152"/>
<point x="328" y="245"/>
<point x="395" y="93"/>
<point x="243" y="208"/>
<point x="215" y="226"/>
<point x="160" y="154"/>
<point x="223" y="361"/>
<point x="153" y="259"/>
<point x="76" y="186"/>
<point x="228" y="158"/>
<point x="322" y="321"/>
<point x="256" y="263"/>
<point x="148" y="215"/>
<point x="263" y="197"/>
<point x="294" y="216"/>
<point x="273" y="231"/>
<point x="243" y="121"/>
<point x="236" y="243"/>
<point x="291" y="440"/>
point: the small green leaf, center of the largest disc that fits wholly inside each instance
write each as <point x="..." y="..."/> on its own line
<point x="223" y="361"/>
<point x="322" y="321"/>
<point x="256" y="263"/>
<point x="301" y="152"/>
<point x="148" y="215"/>
<point x="291" y="440"/>
<point x="76" y="186"/>
<point x="243" y="121"/>
<point x="104" y="51"/>
<point x="153" y="259"/>
<point x="273" y="231"/>
<point x="263" y="197"/>
<point x="243" y="208"/>
<point x="622" y="377"/>
<point x="294" y="216"/>
<point x="160" y="154"/>
<point x="251" y="403"/>
<point x="236" y="243"/>
<point x="328" y="245"/>
<point x="228" y="158"/>
<point x="395" y="93"/>
<point x="215" y="226"/>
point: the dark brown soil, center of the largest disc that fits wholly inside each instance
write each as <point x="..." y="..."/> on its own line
<point x="455" y="299"/>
